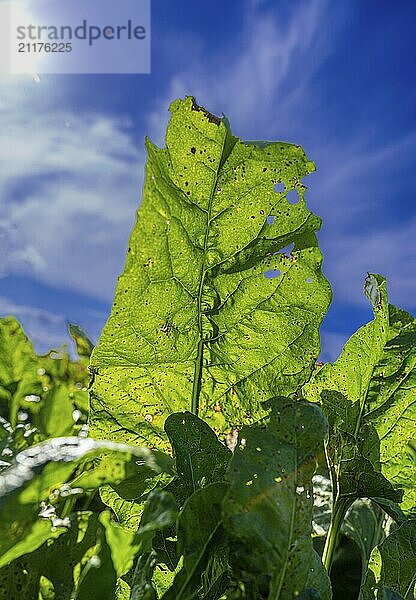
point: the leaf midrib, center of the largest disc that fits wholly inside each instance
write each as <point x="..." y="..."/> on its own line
<point x="196" y="387"/>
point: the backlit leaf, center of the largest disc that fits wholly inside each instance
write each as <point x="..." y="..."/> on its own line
<point x="212" y="313"/>
<point x="368" y="395"/>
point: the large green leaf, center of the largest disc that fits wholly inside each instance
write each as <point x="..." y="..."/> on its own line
<point x="200" y="458"/>
<point x="391" y="406"/>
<point x="268" y="510"/>
<point x="196" y="325"/>
<point x="368" y="395"/>
<point x="392" y="569"/>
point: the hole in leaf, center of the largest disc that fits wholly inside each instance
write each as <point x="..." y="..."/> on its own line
<point x="279" y="187"/>
<point x="271" y="273"/>
<point x="270" y="219"/>
<point x="309" y="280"/>
<point x="293" y="196"/>
<point x="287" y="249"/>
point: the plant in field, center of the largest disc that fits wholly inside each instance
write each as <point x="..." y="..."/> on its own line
<point x="213" y="336"/>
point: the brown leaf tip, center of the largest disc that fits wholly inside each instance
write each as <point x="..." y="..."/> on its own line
<point x="211" y="118"/>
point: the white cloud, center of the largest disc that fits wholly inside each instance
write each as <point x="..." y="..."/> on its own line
<point x="70" y="184"/>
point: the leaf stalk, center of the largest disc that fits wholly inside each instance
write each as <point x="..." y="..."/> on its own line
<point x="341" y="506"/>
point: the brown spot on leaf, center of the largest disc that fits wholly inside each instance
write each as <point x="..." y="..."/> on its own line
<point x="211" y="118"/>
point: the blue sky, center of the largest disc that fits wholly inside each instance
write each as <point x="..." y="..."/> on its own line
<point x="336" y="77"/>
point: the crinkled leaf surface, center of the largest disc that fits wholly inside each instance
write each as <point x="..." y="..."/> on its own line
<point x="368" y="395"/>
<point x="268" y="509"/>
<point x="391" y="405"/>
<point x="392" y="569"/>
<point x="196" y="324"/>
<point x="127" y="498"/>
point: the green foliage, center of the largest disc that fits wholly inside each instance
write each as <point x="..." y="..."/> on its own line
<point x="268" y="509"/>
<point x="43" y="473"/>
<point x="392" y="568"/>
<point x="211" y="333"/>
<point x="223" y="462"/>
<point x="366" y="391"/>
<point x="40" y="396"/>
<point x="368" y="395"/>
<point x="199" y="542"/>
<point x="200" y="457"/>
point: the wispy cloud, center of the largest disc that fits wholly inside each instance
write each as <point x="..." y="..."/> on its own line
<point x="260" y="78"/>
<point x="390" y="252"/>
<point x="362" y="193"/>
